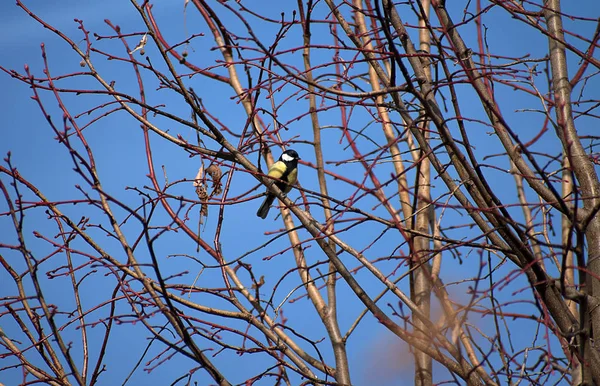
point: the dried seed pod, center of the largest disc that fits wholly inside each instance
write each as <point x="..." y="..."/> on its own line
<point x="201" y="192"/>
<point x="215" y="174"/>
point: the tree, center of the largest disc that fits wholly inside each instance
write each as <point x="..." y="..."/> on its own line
<point x="445" y="219"/>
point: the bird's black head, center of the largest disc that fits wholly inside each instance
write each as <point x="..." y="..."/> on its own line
<point x="289" y="156"/>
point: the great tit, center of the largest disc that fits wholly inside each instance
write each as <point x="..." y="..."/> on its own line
<point x="285" y="170"/>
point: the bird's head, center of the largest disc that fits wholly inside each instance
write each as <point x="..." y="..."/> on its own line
<point x="289" y="156"/>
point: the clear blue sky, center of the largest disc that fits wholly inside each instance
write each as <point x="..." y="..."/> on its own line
<point x="119" y="150"/>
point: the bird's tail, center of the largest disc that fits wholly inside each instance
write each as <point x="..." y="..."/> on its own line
<point x="263" y="211"/>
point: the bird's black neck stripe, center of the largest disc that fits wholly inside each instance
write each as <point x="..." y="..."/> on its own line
<point x="289" y="167"/>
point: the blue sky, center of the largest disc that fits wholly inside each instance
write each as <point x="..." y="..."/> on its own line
<point x="119" y="151"/>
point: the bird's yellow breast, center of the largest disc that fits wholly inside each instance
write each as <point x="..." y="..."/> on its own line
<point x="278" y="170"/>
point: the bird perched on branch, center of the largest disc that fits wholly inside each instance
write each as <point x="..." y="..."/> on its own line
<point x="285" y="170"/>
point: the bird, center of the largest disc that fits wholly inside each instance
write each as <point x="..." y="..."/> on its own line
<point x="285" y="171"/>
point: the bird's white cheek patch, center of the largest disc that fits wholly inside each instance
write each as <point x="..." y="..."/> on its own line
<point x="286" y="158"/>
